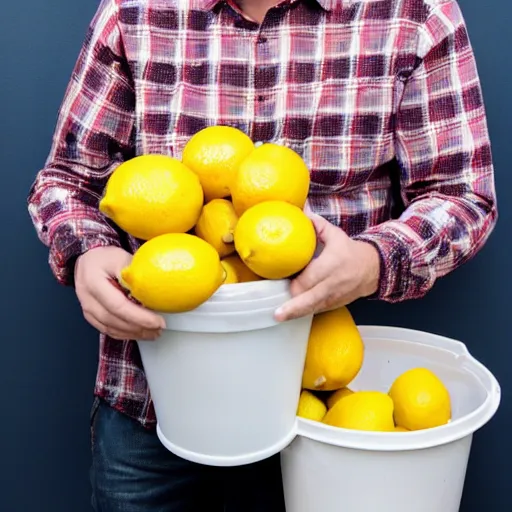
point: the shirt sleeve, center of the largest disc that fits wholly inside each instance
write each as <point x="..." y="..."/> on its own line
<point x="93" y="135"/>
<point x="444" y="154"/>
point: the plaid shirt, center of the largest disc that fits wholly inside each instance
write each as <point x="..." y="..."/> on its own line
<point x="380" y="97"/>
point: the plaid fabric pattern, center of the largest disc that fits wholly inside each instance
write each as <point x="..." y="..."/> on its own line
<point x="380" y="97"/>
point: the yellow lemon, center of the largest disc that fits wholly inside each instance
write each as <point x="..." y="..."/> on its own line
<point x="401" y="429"/>
<point x="363" y="410"/>
<point x="217" y="224"/>
<point x="311" y="407"/>
<point x="215" y="153"/>
<point x="335" y="351"/>
<point x="173" y="273"/>
<point x="270" y="173"/>
<point x="237" y="271"/>
<point x="335" y="397"/>
<point x="231" y="277"/>
<point x="152" y="195"/>
<point x="421" y="400"/>
<point x="275" y="239"/>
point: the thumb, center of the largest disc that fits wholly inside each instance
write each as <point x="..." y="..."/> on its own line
<point x="122" y="263"/>
<point x="324" y="229"/>
<point x="110" y="261"/>
<point x="118" y="260"/>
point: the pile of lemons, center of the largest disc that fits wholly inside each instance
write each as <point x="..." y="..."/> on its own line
<point x="226" y="212"/>
<point x="416" y="400"/>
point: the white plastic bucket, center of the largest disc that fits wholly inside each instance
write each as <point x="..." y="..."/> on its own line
<point x="225" y="378"/>
<point x="337" y="470"/>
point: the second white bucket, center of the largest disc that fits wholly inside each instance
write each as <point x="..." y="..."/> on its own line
<point x="328" y="469"/>
<point x="225" y="378"/>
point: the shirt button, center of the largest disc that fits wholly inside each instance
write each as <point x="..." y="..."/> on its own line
<point x="261" y="98"/>
<point x="262" y="40"/>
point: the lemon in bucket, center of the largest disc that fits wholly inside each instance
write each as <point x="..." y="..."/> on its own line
<point x="214" y="154"/>
<point x="336" y="396"/>
<point x="335" y="351"/>
<point x="363" y="410"/>
<point x="310" y="406"/>
<point x="271" y="172"/>
<point x="237" y="271"/>
<point x="144" y="194"/>
<point x="174" y="273"/>
<point x="421" y="400"/>
<point x="275" y="239"/>
<point x="216" y="225"/>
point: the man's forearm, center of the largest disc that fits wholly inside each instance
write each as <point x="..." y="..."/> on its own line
<point x="433" y="237"/>
<point x="67" y="220"/>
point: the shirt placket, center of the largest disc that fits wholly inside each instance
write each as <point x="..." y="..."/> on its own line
<point x="265" y="78"/>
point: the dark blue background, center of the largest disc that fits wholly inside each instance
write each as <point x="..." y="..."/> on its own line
<point x="48" y="353"/>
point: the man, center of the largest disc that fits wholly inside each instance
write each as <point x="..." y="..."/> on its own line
<point x="382" y="100"/>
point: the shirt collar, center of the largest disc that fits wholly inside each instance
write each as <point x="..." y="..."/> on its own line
<point x="328" y="5"/>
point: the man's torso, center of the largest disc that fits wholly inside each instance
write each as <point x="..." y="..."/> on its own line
<point x="323" y="78"/>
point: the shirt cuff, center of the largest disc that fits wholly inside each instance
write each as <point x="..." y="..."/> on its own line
<point x="67" y="246"/>
<point x="395" y="264"/>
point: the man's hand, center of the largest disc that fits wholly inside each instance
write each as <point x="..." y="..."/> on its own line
<point x="103" y="303"/>
<point x="345" y="271"/>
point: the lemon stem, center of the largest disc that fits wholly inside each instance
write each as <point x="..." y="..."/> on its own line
<point x="320" y="381"/>
<point x="228" y="238"/>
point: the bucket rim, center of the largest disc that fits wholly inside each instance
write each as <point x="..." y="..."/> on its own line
<point x="420" y="439"/>
<point x="251" y="290"/>
<point x="240" y="297"/>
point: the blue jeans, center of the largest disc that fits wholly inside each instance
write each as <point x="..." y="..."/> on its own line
<point x="132" y="472"/>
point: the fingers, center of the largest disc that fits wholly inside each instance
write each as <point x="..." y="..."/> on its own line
<point x="131" y="333"/>
<point x="325" y="231"/>
<point x="313" y="274"/>
<point x="114" y="326"/>
<point x="309" y="302"/>
<point x="103" y="301"/>
<point x="118" y="305"/>
<point x="115" y="265"/>
<point x="332" y="241"/>
<point x="112" y="333"/>
<point x="318" y="270"/>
